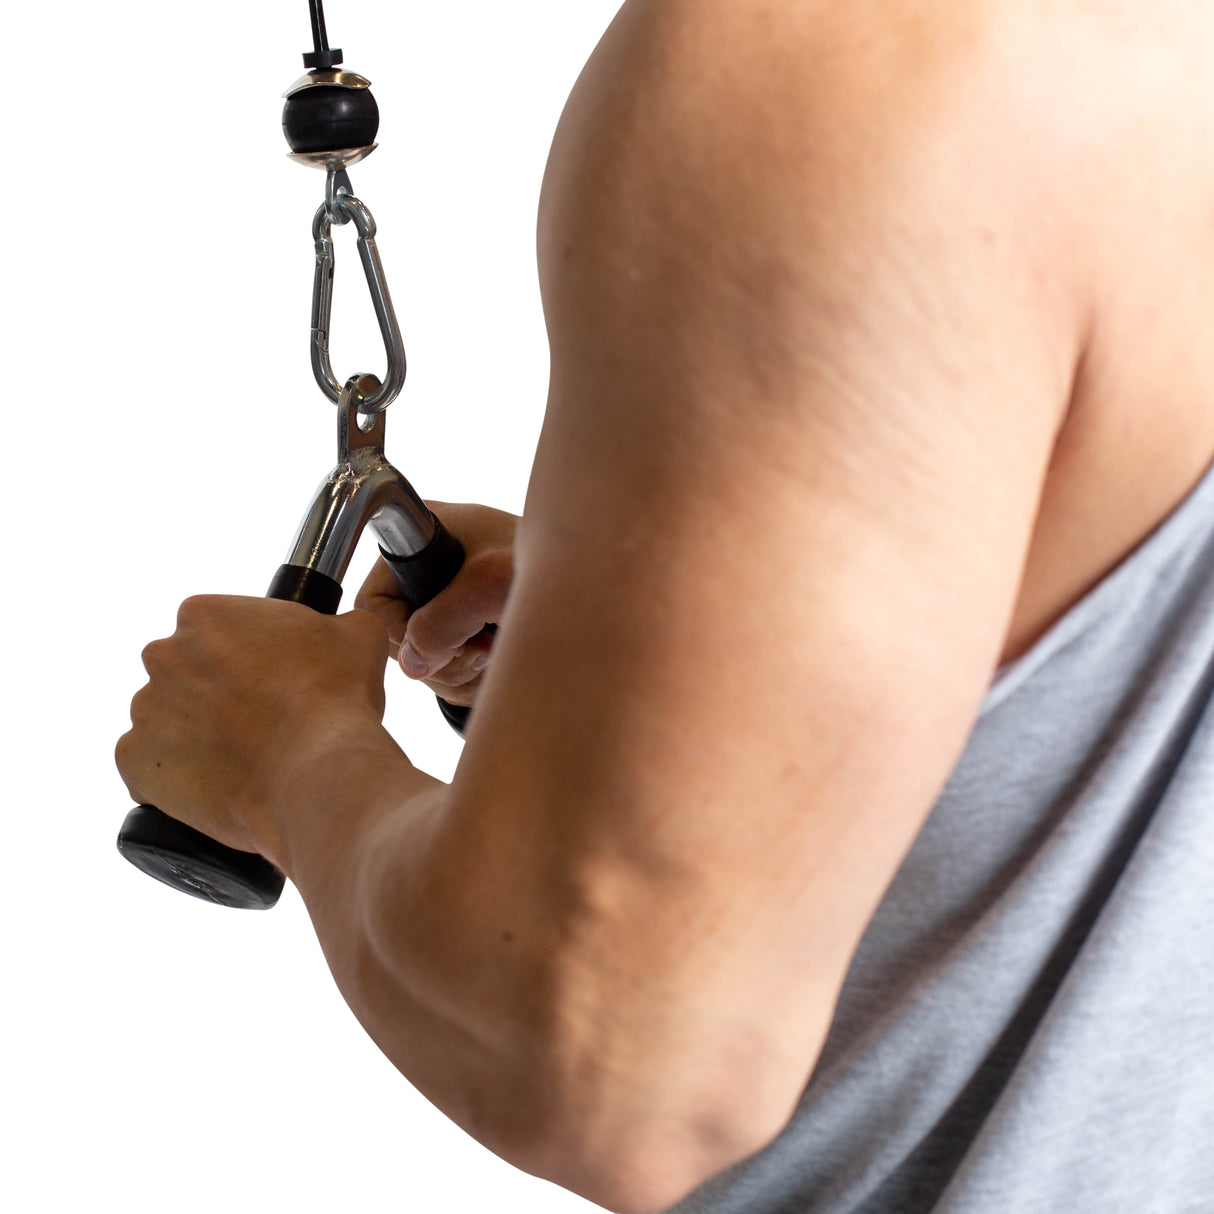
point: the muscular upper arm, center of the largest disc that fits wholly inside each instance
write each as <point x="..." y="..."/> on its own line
<point x="810" y="350"/>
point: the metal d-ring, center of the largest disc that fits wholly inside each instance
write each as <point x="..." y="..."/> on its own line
<point x="344" y="207"/>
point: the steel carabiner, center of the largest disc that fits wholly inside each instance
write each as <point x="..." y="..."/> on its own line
<point x="345" y="207"/>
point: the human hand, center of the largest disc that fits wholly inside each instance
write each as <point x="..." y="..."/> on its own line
<point x="244" y="701"/>
<point x="443" y="644"/>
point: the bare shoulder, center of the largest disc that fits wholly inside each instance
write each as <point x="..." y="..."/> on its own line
<point x="779" y="134"/>
<point x="1073" y="133"/>
<point x="823" y="83"/>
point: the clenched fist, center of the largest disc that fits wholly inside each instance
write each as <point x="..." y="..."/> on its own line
<point x="245" y="702"/>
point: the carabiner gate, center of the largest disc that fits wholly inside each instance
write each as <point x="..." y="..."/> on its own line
<point x="345" y="207"/>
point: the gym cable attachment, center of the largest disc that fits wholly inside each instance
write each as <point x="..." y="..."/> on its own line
<point x="341" y="206"/>
<point x="330" y="119"/>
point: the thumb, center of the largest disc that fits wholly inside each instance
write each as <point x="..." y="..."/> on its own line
<point x="380" y="595"/>
<point x="437" y="632"/>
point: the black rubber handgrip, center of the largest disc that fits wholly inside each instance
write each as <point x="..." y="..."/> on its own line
<point x="420" y="577"/>
<point x="195" y="863"/>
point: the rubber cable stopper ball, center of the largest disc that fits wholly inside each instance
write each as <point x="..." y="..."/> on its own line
<point x="328" y="117"/>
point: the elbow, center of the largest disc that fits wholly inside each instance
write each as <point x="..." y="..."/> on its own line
<point x="654" y="1167"/>
<point x="638" y="1187"/>
<point x="641" y="1186"/>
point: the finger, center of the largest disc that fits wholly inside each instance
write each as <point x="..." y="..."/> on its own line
<point x="437" y="631"/>
<point x="469" y="662"/>
<point x="125" y="759"/>
<point x="378" y="586"/>
<point x="480" y="526"/>
<point x="462" y="696"/>
<point x="381" y="596"/>
<point x="141" y="706"/>
<point x="151" y="657"/>
<point x="372" y="635"/>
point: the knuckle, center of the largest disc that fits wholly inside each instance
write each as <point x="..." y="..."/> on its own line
<point x="462" y="697"/>
<point x="368" y="621"/>
<point x="423" y="635"/>
<point x="139" y="703"/>
<point x="493" y="568"/>
<point x="154" y="654"/>
<point x="374" y="585"/>
<point x="198" y="611"/>
<point x="461" y="678"/>
<point x="368" y="627"/>
<point x="124" y="756"/>
<point x="190" y="609"/>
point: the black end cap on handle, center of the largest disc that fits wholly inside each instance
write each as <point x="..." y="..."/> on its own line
<point x="456" y="715"/>
<point x="194" y="863"/>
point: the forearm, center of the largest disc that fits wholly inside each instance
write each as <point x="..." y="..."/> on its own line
<point x="351" y="830"/>
<point x="358" y="829"/>
<point x="455" y="950"/>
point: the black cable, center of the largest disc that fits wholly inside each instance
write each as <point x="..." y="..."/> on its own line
<point x="321" y="55"/>
<point x="320" y="39"/>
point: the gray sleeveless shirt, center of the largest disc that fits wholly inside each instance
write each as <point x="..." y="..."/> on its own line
<point x="1028" y="1024"/>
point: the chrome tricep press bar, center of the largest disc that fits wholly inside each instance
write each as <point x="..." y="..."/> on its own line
<point x="330" y="120"/>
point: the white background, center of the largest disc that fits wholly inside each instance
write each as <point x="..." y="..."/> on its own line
<point x="163" y="436"/>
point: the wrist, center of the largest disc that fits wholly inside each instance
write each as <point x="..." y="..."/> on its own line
<point x="329" y="788"/>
